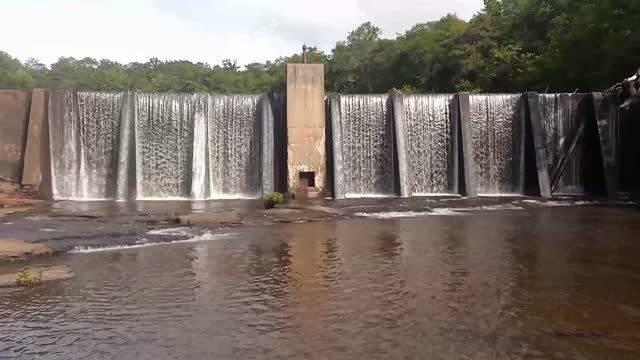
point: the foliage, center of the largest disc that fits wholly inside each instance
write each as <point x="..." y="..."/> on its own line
<point x="273" y="199"/>
<point x="28" y="278"/>
<point x="511" y="45"/>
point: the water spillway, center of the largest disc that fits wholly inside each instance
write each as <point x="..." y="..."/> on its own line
<point x="561" y="120"/>
<point x="432" y="140"/>
<point x="159" y="146"/>
<point x="497" y="123"/>
<point x="366" y="142"/>
<point x="148" y="146"/>
<point x="234" y="147"/>
<point x="84" y="140"/>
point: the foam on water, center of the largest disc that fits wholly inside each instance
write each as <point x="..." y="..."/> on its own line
<point x="170" y="232"/>
<point x="144" y="244"/>
<point x="409" y="214"/>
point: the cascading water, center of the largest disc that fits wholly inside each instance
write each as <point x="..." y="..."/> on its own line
<point x="367" y="145"/>
<point x="159" y="146"/>
<point x="498" y="142"/>
<point x="164" y="139"/>
<point x="431" y="146"/>
<point x="560" y="122"/>
<point x="234" y="147"/>
<point x="84" y="138"/>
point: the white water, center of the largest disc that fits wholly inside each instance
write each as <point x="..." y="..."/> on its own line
<point x="144" y="244"/>
<point x="84" y="138"/>
<point x="560" y="124"/>
<point x="431" y="153"/>
<point x="496" y="130"/>
<point x="184" y="146"/>
<point x="367" y="145"/>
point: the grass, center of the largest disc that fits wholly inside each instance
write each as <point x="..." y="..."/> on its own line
<point x="28" y="278"/>
<point x="272" y="200"/>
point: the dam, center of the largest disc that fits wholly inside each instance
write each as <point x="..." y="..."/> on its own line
<point x="124" y="146"/>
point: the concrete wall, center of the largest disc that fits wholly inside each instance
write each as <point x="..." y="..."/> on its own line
<point x="36" y="171"/>
<point x="14" y="118"/>
<point x="306" y="123"/>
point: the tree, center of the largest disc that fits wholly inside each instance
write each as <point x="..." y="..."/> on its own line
<point x="230" y="65"/>
<point x="351" y="68"/>
<point x="509" y="46"/>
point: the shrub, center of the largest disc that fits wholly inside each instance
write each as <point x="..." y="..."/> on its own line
<point x="28" y="278"/>
<point x="272" y="200"/>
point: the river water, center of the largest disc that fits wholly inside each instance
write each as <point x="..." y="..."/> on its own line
<point x="530" y="283"/>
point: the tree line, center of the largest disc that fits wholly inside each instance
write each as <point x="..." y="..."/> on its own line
<point x="509" y="46"/>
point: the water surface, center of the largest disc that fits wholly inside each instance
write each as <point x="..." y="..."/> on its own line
<point x="537" y="283"/>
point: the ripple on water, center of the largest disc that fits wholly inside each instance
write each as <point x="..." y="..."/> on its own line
<point x="480" y="287"/>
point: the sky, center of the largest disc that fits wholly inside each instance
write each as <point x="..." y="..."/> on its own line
<point x="206" y="31"/>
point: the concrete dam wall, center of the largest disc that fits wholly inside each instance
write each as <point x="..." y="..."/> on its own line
<point x="77" y="145"/>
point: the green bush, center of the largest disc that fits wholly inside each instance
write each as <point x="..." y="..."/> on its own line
<point x="28" y="278"/>
<point x="272" y="200"/>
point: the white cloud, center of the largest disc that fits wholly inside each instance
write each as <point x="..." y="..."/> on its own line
<point x="200" y="30"/>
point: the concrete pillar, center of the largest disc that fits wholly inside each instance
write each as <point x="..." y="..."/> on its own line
<point x="37" y="139"/>
<point x="607" y="136"/>
<point x="338" y="160"/>
<point x="306" y="126"/>
<point x="468" y="162"/>
<point x="535" y="117"/>
<point x="14" y="118"/>
<point x="401" y="140"/>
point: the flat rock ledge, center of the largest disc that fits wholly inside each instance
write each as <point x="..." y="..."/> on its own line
<point x="49" y="274"/>
<point x="18" y="249"/>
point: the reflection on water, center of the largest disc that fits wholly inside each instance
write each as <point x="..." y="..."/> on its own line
<point x="542" y="283"/>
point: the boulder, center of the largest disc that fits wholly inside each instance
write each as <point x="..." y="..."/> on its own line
<point x="48" y="274"/>
<point x="11" y="248"/>
<point x="210" y="219"/>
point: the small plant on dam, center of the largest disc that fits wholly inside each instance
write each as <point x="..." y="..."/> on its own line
<point x="29" y="278"/>
<point x="273" y="199"/>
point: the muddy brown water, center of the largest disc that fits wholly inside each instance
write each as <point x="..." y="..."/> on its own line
<point x="531" y="283"/>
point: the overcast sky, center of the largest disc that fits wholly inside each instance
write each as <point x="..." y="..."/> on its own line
<point x="201" y="30"/>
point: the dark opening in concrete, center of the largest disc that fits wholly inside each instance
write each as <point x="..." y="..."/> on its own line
<point x="307" y="179"/>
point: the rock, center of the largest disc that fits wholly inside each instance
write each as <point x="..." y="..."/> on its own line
<point x="10" y="249"/>
<point x="324" y="209"/>
<point x="283" y="211"/>
<point x="210" y="219"/>
<point x="49" y="274"/>
<point x="318" y="208"/>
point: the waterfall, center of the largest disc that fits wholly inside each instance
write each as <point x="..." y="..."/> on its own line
<point x="84" y="138"/>
<point x="560" y="123"/>
<point x="431" y="151"/>
<point x="366" y="131"/>
<point x="234" y="147"/>
<point x="159" y="146"/>
<point x="498" y="142"/>
<point x="164" y="145"/>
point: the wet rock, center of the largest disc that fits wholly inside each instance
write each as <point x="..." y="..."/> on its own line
<point x="283" y="211"/>
<point x="46" y="274"/>
<point x="16" y="249"/>
<point x="210" y="219"/>
<point x="316" y="208"/>
<point x="11" y="202"/>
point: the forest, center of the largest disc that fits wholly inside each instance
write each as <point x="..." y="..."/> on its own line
<point x="509" y="46"/>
